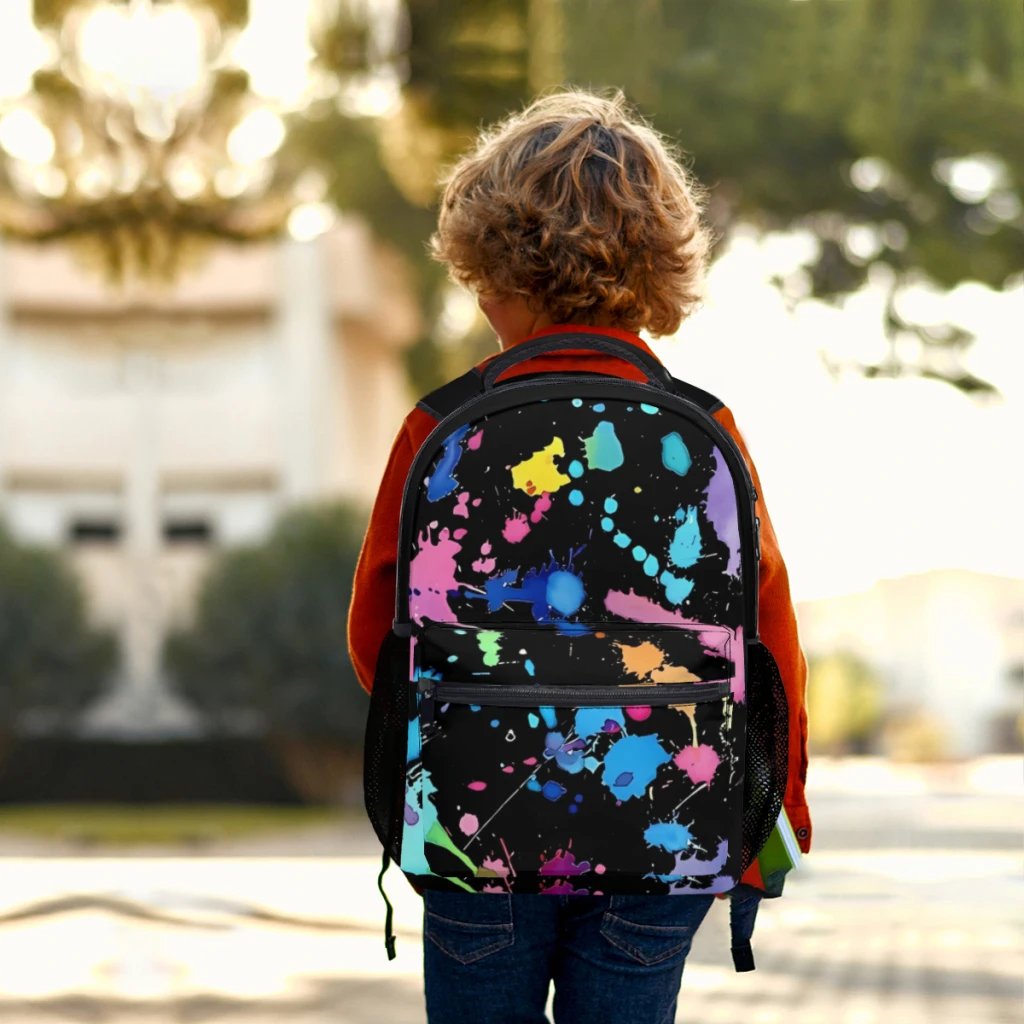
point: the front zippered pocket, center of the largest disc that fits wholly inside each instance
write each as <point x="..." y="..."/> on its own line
<point x="492" y="695"/>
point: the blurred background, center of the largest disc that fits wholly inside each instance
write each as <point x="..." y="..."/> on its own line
<point x="216" y="307"/>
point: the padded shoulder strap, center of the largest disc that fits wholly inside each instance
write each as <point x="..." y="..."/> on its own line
<point x="449" y="397"/>
<point x="446" y="399"/>
<point x="704" y="399"/>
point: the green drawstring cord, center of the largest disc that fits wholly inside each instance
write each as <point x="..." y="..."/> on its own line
<point x="389" y="917"/>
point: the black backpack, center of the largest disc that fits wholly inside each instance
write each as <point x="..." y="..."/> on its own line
<point x="573" y="698"/>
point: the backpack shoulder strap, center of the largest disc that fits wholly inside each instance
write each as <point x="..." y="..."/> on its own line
<point x="707" y="401"/>
<point x="443" y="401"/>
<point x="448" y="397"/>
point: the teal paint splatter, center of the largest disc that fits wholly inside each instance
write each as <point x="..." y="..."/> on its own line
<point x="576" y="469"/>
<point x="599" y="407"/>
<point x="669" y="835"/>
<point x="603" y="450"/>
<point x="675" y="455"/>
<point x="632" y="763"/>
<point x="651" y="410"/>
<point x="607" y="525"/>
<point x="533" y="785"/>
<point x="533" y="719"/>
<point x="622" y="540"/>
<point x="548" y="714"/>
<point x="685" y="547"/>
<point x="677" y="588"/>
<point x="577" y="402"/>
<point x="530" y="670"/>
<point x="639" y="553"/>
<point x="452" y="657"/>
<point x="575" y="497"/>
<point x="611" y="506"/>
<point x="651" y="566"/>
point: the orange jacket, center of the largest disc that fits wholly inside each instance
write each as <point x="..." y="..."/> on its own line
<point x="373" y="596"/>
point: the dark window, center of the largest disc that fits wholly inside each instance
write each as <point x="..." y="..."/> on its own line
<point x="188" y="531"/>
<point x="94" y="531"/>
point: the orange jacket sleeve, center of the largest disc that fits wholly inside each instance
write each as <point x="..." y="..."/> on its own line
<point x="778" y="629"/>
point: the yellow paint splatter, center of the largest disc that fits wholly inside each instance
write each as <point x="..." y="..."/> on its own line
<point x="637" y="490"/>
<point x="539" y="474"/>
<point x="690" y="710"/>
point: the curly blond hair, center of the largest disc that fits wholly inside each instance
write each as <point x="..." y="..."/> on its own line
<point x="579" y="206"/>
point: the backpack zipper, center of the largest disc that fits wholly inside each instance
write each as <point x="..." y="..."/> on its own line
<point x="495" y="695"/>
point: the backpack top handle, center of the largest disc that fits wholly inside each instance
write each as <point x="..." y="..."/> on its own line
<point x="656" y="374"/>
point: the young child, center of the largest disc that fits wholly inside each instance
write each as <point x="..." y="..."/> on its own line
<point x="571" y="215"/>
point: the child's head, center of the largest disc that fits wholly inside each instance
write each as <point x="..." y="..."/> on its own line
<point x="578" y="208"/>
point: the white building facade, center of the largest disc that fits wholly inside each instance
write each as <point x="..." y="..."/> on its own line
<point x="142" y="431"/>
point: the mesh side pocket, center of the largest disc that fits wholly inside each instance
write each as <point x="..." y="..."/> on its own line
<point x="384" y="752"/>
<point x="767" y="751"/>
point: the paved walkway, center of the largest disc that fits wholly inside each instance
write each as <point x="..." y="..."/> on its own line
<point x="909" y="912"/>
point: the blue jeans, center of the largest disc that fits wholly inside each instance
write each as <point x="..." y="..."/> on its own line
<point x="614" y="959"/>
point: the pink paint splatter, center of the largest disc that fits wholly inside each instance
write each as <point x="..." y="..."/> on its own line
<point x="459" y="533"/>
<point x="642" y="609"/>
<point x="540" y="506"/>
<point x="485" y="565"/>
<point x="431" y="576"/>
<point x="474" y="440"/>
<point x="479" y="787"/>
<point x="530" y="760"/>
<point x="563" y="864"/>
<point x="476" y="502"/>
<point x="699" y="762"/>
<point x="497" y="865"/>
<point x="509" y="768"/>
<point x="639" y="714"/>
<point x="564" y="889"/>
<point x="462" y="505"/>
<point x="516" y="528"/>
<point x="599" y="869"/>
<point x="468" y="824"/>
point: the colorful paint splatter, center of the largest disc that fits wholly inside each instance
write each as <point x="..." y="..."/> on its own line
<point x="577" y="672"/>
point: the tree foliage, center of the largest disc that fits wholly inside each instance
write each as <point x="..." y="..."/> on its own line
<point x="268" y="636"/>
<point x="892" y="129"/>
<point x="52" y="663"/>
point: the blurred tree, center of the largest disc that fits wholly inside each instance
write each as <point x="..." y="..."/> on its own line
<point x="891" y="129"/>
<point x="267" y="646"/>
<point x="52" y="663"/>
<point x="844" y="704"/>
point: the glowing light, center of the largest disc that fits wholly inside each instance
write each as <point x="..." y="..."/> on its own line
<point x="256" y="137"/>
<point x="274" y="50"/>
<point x="23" y="51"/>
<point x="25" y="137"/>
<point x="310" y="220"/>
<point x="971" y="179"/>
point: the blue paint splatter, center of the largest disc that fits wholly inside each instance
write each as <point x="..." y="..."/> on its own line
<point x="685" y="547"/>
<point x="590" y="721"/>
<point x="651" y="410"/>
<point x="474" y="707"/>
<point x="575" y="497"/>
<point x="573" y="808"/>
<point x="623" y="540"/>
<point x="578" y="798"/>
<point x="577" y="402"/>
<point x="677" y="588"/>
<point x="639" y="553"/>
<point x="548" y="714"/>
<point x="639" y="757"/>
<point x="533" y="720"/>
<point x="675" y="455"/>
<point x="575" y="469"/>
<point x="611" y="506"/>
<point x="452" y="657"/>
<point x="494" y="723"/>
<point x="533" y="785"/>
<point x="528" y="665"/>
<point x="669" y="835"/>
<point x="565" y="592"/>
<point x="607" y="525"/>
<point x="552" y="790"/>
<point x="442" y="481"/>
<point x="651" y="566"/>
<point x="599" y="407"/>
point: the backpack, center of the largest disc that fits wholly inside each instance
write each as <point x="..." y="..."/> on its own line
<point x="573" y="698"/>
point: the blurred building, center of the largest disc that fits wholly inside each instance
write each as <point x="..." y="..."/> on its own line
<point x="947" y="643"/>
<point x="142" y="430"/>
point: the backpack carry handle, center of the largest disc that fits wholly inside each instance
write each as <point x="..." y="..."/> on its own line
<point x="655" y="373"/>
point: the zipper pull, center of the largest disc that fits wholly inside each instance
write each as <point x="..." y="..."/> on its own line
<point x="427" y="699"/>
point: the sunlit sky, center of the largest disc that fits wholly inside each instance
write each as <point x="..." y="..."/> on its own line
<point x="864" y="480"/>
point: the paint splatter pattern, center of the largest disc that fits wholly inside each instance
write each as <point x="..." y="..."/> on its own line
<point x="562" y="546"/>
